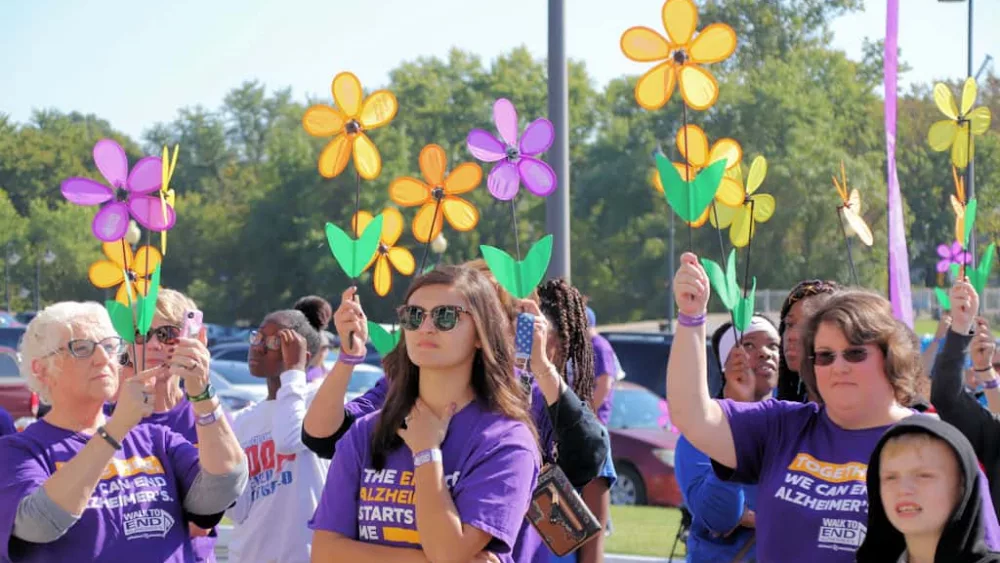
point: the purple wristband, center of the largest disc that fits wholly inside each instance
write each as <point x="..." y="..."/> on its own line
<point x="992" y="384"/>
<point x="350" y="359"/>
<point x="689" y="321"/>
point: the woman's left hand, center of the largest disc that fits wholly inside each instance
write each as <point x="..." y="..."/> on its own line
<point x="189" y="359"/>
<point x="424" y="430"/>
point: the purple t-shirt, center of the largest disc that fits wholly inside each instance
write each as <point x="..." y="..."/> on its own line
<point x="314" y="373"/>
<point x="490" y="466"/>
<point x="135" y="511"/>
<point x="812" y="498"/>
<point x="371" y="401"/>
<point x="605" y="364"/>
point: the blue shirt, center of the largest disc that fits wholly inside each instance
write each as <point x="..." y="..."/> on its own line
<point x="716" y="507"/>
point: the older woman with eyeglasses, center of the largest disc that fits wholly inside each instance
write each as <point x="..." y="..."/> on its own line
<point x="80" y="486"/>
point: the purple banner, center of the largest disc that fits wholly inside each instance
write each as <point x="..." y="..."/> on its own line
<point x="899" y="261"/>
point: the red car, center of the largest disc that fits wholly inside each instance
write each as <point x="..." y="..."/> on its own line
<point x="15" y="397"/>
<point x="642" y="446"/>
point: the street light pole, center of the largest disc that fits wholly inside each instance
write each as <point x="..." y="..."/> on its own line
<point x="10" y="259"/>
<point x="48" y="258"/>
<point x="557" y="213"/>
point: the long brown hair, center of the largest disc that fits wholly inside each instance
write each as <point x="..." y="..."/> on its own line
<point x="566" y="308"/>
<point x="493" y="380"/>
<point x="866" y="318"/>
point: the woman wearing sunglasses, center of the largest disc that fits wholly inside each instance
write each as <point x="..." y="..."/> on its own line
<point x="445" y="471"/>
<point x="80" y="486"/>
<point x="808" y="460"/>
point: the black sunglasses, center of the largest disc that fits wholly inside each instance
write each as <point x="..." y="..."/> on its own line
<point x="445" y="317"/>
<point x="167" y="334"/>
<point x="83" y="348"/>
<point x="851" y="356"/>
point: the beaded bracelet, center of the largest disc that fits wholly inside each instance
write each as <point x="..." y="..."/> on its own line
<point x="689" y="321"/>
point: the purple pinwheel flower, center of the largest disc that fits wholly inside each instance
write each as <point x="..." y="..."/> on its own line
<point x="515" y="157"/>
<point x="127" y="194"/>
<point x="952" y="255"/>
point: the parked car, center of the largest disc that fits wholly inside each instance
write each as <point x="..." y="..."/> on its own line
<point x="237" y="375"/>
<point x="239" y="351"/>
<point x="10" y="336"/>
<point x="8" y="319"/>
<point x="644" y="355"/>
<point x="15" y="396"/>
<point x="642" y="447"/>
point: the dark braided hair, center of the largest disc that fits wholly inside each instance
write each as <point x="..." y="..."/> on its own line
<point x="790" y="386"/>
<point x="317" y="310"/>
<point x="564" y="307"/>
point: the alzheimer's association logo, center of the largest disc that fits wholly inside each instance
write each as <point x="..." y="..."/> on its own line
<point x="147" y="523"/>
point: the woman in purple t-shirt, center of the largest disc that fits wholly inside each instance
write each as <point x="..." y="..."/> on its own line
<point x="808" y="460"/>
<point x="446" y="469"/>
<point x="82" y="487"/>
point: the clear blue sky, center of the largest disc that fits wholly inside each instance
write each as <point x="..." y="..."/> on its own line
<point x="137" y="63"/>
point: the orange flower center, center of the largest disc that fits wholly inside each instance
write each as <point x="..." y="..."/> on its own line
<point x="437" y="193"/>
<point x="352" y="127"/>
<point x="680" y="56"/>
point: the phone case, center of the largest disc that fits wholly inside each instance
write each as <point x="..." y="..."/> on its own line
<point x="192" y="324"/>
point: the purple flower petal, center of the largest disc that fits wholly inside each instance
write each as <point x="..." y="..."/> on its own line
<point x="538" y="176"/>
<point x="484" y="146"/>
<point x="956" y="249"/>
<point x="148" y="212"/>
<point x="112" y="162"/>
<point x="943" y="265"/>
<point x="146" y="175"/>
<point x="505" y="116"/>
<point x="84" y="191"/>
<point x="964" y="258"/>
<point x="111" y="222"/>
<point x="504" y="181"/>
<point x="537" y="137"/>
<point x="943" y="251"/>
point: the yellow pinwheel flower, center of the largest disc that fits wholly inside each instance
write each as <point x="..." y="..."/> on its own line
<point x="131" y="271"/>
<point x="437" y="196"/>
<point x="399" y="258"/>
<point x="167" y="196"/>
<point x="959" y="130"/>
<point x="700" y="157"/>
<point x="753" y="207"/>
<point x="349" y="124"/>
<point x="850" y="208"/>
<point x="681" y="54"/>
<point x="958" y="205"/>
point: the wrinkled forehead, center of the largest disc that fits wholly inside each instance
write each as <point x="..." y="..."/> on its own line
<point x="89" y="328"/>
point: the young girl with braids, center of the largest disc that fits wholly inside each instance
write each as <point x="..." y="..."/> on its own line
<point x="574" y="357"/>
<point x="793" y="316"/>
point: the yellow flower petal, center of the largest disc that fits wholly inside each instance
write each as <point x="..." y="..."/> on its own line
<point x="643" y="45"/>
<point x="686" y="171"/>
<point x="347" y="93"/>
<point x="655" y="87"/>
<point x="382" y="278"/>
<point x="726" y="215"/>
<point x="693" y="145"/>
<point x="408" y="192"/>
<point x="323" y="121"/>
<point x="980" y="119"/>
<point x="730" y="192"/>
<point x="105" y="274"/>
<point x="334" y="157"/>
<point x="715" y="43"/>
<point x="118" y="252"/>
<point x="147" y="258"/>
<point x="680" y="17"/>
<point x="739" y="232"/>
<point x="728" y="149"/>
<point x="702" y="219"/>
<point x="402" y="260"/>
<point x="426" y="223"/>
<point x="461" y="215"/>
<point x="942" y="134"/>
<point x="366" y="158"/>
<point x="758" y="169"/>
<point x="360" y="221"/>
<point x="464" y="178"/>
<point x="858" y="225"/>
<point x="392" y="225"/>
<point x="945" y="101"/>
<point x="763" y="207"/>
<point x="968" y="95"/>
<point x="121" y="295"/>
<point x="698" y="87"/>
<point x="654" y="180"/>
<point x="963" y="147"/>
<point x="433" y="163"/>
<point x="378" y="109"/>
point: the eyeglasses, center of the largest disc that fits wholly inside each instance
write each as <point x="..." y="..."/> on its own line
<point x="445" y="317"/>
<point x="851" y="356"/>
<point x="270" y="342"/>
<point x="167" y="334"/>
<point x="114" y="346"/>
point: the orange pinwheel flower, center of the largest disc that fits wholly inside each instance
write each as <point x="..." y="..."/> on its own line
<point x="399" y="258"/>
<point x="681" y="53"/>
<point x="122" y="267"/>
<point x="438" y="195"/>
<point x="349" y="124"/>
<point x="730" y="191"/>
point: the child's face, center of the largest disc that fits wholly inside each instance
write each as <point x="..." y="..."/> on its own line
<point x="920" y="484"/>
